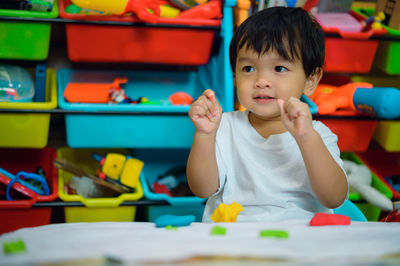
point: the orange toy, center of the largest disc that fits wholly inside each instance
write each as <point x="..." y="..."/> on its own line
<point x="92" y="92"/>
<point x="210" y="10"/>
<point x="329" y="98"/>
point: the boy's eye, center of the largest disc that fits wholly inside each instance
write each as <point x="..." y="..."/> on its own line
<point x="248" y="69"/>
<point x="280" y="69"/>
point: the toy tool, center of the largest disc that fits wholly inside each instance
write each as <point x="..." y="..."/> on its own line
<point x="85" y="92"/>
<point x="382" y="102"/>
<point x="78" y="171"/>
<point x="124" y="169"/>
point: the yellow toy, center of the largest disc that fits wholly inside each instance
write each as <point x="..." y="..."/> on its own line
<point x="146" y="10"/>
<point x="226" y="213"/>
<point x="121" y="168"/>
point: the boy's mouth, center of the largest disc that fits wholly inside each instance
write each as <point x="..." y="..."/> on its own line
<point x="264" y="98"/>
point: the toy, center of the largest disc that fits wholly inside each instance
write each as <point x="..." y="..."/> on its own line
<point x="14" y="247"/>
<point x="360" y="180"/>
<point x="84" y="92"/>
<point x="373" y="22"/>
<point x="282" y="234"/>
<point x="210" y="10"/>
<point x="187" y="4"/>
<point x="174" y="220"/>
<point x="79" y="172"/>
<point x="16" y="84"/>
<point x="21" y="178"/>
<point x="145" y="10"/>
<point x="226" y="213"/>
<point x="321" y="219"/>
<point x="218" y="231"/>
<point x="391" y="9"/>
<point x="242" y="11"/>
<point x="180" y="98"/>
<point x="122" y="168"/>
<point x="381" y="102"/>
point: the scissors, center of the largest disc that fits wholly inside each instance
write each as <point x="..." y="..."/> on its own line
<point x="44" y="190"/>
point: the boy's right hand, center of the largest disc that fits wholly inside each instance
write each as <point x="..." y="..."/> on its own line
<point x="206" y="113"/>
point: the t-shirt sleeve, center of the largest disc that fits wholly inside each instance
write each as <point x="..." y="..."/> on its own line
<point x="330" y="140"/>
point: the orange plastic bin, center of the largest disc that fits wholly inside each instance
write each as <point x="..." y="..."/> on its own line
<point x="169" y="41"/>
<point x="352" y="52"/>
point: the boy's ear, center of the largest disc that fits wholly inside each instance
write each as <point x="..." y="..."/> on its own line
<point x="312" y="82"/>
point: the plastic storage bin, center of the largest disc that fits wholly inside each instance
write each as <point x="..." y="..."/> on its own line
<point x="157" y="163"/>
<point x="370" y="211"/>
<point x="352" y="52"/>
<point x="353" y="134"/>
<point x="26" y="40"/>
<point x="388" y="53"/>
<point x="96" y="209"/>
<point x="383" y="164"/>
<point x="170" y="43"/>
<point x="17" y="214"/>
<point x="29" y="130"/>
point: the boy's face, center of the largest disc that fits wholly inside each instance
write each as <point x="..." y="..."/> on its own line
<point x="262" y="79"/>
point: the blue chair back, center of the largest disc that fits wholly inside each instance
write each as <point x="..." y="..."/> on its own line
<point x="350" y="209"/>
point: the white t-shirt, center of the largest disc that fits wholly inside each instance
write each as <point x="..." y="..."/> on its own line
<point x="267" y="177"/>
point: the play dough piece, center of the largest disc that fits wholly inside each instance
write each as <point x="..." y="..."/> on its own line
<point x="218" y="230"/>
<point x="226" y="213"/>
<point x="283" y="234"/>
<point x="321" y="219"/>
<point x="174" y="220"/>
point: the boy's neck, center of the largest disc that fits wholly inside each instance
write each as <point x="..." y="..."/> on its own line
<point x="267" y="128"/>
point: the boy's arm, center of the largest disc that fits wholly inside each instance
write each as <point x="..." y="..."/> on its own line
<point x="202" y="168"/>
<point x="327" y="178"/>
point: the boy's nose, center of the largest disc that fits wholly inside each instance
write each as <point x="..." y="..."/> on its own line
<point x="262" y="82"/>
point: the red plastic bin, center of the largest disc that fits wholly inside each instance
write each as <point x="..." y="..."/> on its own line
<point x="139" y="44"/>
<point x="354" y="135"/>
<point x="352" y="52"/>
<point x="16" y="214"/>
<point x="383" y="164"/>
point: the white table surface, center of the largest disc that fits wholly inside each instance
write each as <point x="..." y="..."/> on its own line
<point x="140" y="242"/>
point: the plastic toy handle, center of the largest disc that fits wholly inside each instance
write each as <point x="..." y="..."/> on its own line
<point x="382" y="102"/>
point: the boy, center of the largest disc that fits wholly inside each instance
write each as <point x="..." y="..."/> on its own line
<point x="272" y="158"/>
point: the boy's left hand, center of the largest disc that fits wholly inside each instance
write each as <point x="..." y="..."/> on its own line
<point x="296" y="117"/>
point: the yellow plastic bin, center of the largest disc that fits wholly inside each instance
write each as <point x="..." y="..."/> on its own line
<point x="96" y="209"/>
<point x="370" y="211"/>
<point x="28" y="129"/>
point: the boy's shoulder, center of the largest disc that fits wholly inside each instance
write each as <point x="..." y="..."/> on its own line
<point x="321" y="128"/>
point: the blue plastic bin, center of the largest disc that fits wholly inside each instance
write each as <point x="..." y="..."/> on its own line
<point x="162" y="126"/>
<point x="156" y="163"/>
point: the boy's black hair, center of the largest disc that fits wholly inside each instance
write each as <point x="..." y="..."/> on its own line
<point x="291" y="32"/>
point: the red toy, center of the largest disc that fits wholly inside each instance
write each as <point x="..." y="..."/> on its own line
<point x="321" y="219"/>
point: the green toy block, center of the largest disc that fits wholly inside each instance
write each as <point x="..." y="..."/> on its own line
<point x="14" y="247"/>
<point x="218" y="230"/>
<point x="275" y="234"/>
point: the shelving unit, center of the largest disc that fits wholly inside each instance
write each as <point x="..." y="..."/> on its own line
<point x="218" y="60"/>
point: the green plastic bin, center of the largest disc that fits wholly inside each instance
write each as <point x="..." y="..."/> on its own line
<point x="387" y="56"/>
<point x="23" y="39"/>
